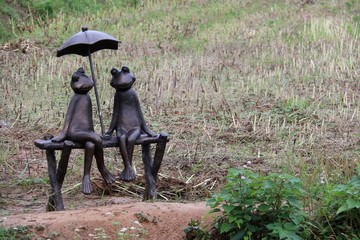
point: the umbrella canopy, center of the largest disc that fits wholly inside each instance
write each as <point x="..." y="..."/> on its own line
<point x="84" y="43"/>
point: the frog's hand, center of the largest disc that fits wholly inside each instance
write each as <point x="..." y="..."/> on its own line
<point x="59" y="138"/>
<point x="148" y="131"/>
<point x="107" y="135"/>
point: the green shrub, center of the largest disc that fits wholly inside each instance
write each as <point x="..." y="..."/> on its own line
<point x="339" y="214"/>
<point x="254" y="206"/>
<point x="18" y="233"/>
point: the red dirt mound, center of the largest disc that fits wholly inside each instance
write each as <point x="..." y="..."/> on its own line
<point x="138" y="220"/>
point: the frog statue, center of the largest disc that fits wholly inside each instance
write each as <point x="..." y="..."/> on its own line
<point x="127" y="118"/>
<point x="78" y="127"/>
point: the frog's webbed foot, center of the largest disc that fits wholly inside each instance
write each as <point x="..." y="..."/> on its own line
<point x="128" y="174"/>
<point x="107" y="176"/>
<point x="86" y="187"/>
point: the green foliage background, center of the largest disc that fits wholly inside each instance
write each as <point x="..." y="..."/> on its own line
<point x="14" y="13"/>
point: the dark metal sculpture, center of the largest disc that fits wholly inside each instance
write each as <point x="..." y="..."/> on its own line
<point x="78" y="132"/>
<point x="78" y="127"/>
<point x="127" y="119"/>
<point x="84" y="43"/>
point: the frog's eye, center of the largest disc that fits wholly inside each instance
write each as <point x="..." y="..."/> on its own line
<point x="81" y="70"/>
<point x="125" y="69"/>
<point x="75" y="78"/>
<point x="114" y="71"/>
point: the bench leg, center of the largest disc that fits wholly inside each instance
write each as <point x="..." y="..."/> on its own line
<point x="55" y="200"/>
<point x="63" y="164"/>
<point x="150" y="183"/>
<point x="159" y="154"/>
<point x="152" y="166"/>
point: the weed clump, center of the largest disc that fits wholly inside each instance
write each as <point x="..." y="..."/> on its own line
<point x="275" y="206"/>
<point x="19" y="232"/>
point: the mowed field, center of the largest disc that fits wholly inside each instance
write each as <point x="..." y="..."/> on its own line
<point x="272" y="86"/>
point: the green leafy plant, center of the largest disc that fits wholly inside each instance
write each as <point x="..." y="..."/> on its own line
<point x="258" y="206"/>
<point x="19" y="232"/>
<point x="275" y="206"/>
<point x="340" y="210"/>
<point x="195" y="231"/>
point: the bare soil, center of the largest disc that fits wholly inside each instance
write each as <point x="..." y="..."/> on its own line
<point x="131" y="219"/>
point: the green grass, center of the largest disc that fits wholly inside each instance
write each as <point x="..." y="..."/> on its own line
<point x="275" y="83"/>
<point x="19" y="232"/>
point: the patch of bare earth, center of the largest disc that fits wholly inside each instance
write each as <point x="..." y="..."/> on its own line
<point x="132" y="220"/>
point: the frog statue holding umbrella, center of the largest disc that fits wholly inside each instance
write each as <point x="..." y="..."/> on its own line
<point x="85" y="43"/>
<point x="78" y="125"/>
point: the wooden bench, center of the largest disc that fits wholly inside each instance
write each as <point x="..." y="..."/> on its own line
<point x="57" y="174"/>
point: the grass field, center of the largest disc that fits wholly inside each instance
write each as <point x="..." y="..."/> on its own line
<point x="273" y="85"/>
<point x="270" y="86"/>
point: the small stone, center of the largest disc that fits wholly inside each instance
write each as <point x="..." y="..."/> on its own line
<point x="79" y="228"/>
<point x="142" y="217"/>
<point x="137" y="223"/>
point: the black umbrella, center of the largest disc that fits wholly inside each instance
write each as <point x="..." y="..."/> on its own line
<point x="84" y="43"/>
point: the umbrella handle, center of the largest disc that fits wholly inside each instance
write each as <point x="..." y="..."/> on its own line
<point x="96" y="96"/>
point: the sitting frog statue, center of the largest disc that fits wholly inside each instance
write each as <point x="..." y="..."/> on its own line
<point x="78" y="127"/>
<point x="127" y="118"/>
